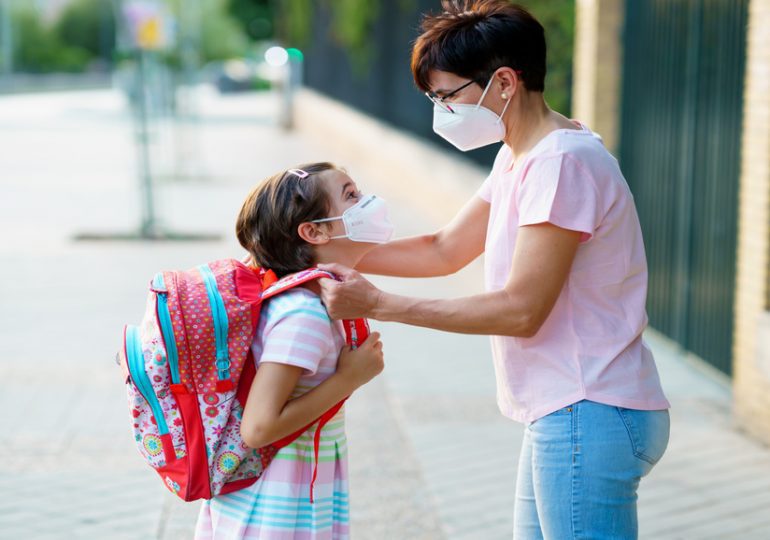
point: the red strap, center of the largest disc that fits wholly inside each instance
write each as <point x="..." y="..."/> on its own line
<point x="293" y="280"/>
<point x="356" y="332"/>
<point x="328" y="415"/>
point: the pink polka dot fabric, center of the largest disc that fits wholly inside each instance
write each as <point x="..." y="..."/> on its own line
<point x="193" y="323"/>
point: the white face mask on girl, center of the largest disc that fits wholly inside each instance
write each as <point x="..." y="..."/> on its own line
<point x="470" y="126"/>
<point x="365" y="221"/>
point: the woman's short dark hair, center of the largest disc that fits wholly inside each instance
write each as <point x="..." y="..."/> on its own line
<point x="267" y="223"/>
<point x="473" y="38"/>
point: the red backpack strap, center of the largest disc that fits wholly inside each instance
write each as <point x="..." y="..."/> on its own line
<point x="356" y="332"/>
<point x="293" y="280"/>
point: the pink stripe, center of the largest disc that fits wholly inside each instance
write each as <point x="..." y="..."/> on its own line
<point x="287" y="334"/>
<point x="295" y="346"/>
<point x="300" y="322"/>
<point x="296" y="362"/>
<point x="219" y="526"/>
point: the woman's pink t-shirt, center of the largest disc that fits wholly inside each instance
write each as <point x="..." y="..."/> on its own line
<point x="590" y="346"/>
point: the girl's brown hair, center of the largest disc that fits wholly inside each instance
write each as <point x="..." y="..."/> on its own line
<point x="267" y="223"/>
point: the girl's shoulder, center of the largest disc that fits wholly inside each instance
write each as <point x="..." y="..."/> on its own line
<point x="298" y="302"/>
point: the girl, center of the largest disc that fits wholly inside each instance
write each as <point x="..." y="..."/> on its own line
<point x="292" y="221"/>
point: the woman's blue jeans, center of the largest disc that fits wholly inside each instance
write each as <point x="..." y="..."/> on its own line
<point x="579" y="471"/>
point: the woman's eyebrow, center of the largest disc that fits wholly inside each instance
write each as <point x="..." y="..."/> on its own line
<point x="346" y="186"/>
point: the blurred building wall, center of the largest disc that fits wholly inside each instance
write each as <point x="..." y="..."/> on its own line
<point x="597" y="64"/>
<point x="752" y="318"/>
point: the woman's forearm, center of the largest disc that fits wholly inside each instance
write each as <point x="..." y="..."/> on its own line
<point x="494" y="313"/>
<point x="430" y="255"/>
<point x="540" y="267"/>
<point x="418" y="256"/>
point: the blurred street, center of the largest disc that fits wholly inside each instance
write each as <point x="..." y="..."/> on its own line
<point x="430" y="456"/>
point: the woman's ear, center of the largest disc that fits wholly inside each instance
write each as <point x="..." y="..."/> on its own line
<point x="312" y="234"/>
<point x="507" y="82"/>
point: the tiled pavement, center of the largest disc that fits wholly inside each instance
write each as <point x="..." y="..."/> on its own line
<point x="430" y="455"/>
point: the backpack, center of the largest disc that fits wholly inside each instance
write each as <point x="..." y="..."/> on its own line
<point x="188" y="369"/>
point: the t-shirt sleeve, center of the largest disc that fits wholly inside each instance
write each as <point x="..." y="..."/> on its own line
<point x="485" y="191"/>
<point x="298" y="332"/>
<point x="557" y="189"/>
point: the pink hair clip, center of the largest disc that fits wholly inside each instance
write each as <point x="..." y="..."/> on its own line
<point x="299" y="172"/>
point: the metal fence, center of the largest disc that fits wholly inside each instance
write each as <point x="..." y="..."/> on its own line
<point x="680" y="151"/>
<point x="383" y="87"/>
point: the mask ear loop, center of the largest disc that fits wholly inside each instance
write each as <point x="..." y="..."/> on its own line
<point x="484" y="93"/>
<point x="502" y="113"/>
<point x="326" y="220"/>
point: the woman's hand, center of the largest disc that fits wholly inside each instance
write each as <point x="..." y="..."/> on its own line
<point x="353" y="297"/>
<point x="361" y="365"/>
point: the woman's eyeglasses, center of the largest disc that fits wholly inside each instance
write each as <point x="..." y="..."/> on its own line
<point x="440" y="100"/>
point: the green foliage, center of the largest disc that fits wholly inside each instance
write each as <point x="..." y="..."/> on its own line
<point x="352" y="22"/>
<point x="558" y="19"/>
<point x="351" y="25"/>
<point x="85" y="30"/>
<point x="88" y="25"/>
<point x="37" y="49"/>
<point x="222" y="36"/>
<point x="296" y="17"/>
<point x="254" y="16"/>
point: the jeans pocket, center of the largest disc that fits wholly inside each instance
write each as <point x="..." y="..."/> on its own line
<point x="648" y="431"/>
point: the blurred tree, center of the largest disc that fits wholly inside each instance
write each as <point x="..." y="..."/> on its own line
<point x="352" y="22"/>
<point x="222" y="36"/>
<point x="295" y="21"/>
<point x="38" y="49"/>
<point x="88" y="25"/>
<point x="558" y="19"/>
<point x="255" y="16"/>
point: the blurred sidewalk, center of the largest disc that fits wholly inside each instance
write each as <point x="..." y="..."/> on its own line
<point x="430" y="455"/>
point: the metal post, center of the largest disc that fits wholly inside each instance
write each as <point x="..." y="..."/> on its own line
<point x="287" y="101"/>
<point x="149" y="226"/>
<point x="187" y="160"/>
<point x="6" y="38"/>
<point x="291" y="80"/>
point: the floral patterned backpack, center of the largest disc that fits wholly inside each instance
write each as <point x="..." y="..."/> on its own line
<point x="188" y="368"/>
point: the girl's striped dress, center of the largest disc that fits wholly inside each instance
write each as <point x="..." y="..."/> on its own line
<point x="294" y="329"/>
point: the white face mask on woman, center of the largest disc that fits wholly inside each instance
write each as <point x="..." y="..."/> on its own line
<point x="365" y="221"/>
<point x="469" y="126"/>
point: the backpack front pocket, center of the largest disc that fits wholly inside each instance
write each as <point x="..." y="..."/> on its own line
<point x="151" y="430"/>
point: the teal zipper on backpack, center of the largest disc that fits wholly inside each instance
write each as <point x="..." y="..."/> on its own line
<point x="221" y="324"/>
<point x="166" y="327"/>
<point x="139" y="376"/>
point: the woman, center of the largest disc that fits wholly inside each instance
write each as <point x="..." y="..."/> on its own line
<point x="566" y="277"/>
